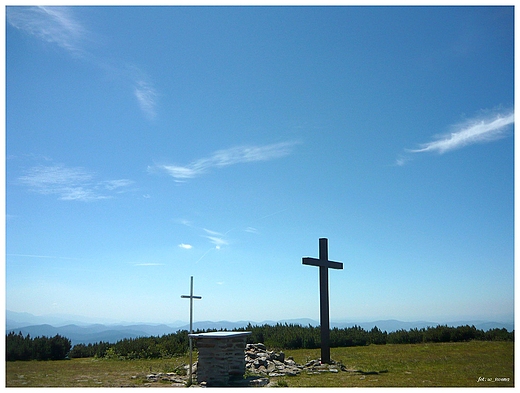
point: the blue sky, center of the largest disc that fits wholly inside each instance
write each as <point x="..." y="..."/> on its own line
<point x="146" y="145"/>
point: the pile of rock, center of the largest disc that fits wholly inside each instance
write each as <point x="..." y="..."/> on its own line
<point x="263" y="362"/>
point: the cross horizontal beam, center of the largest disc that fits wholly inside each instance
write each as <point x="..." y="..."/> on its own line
<point x="191" y="297"/>
<point x="322" y="263"/>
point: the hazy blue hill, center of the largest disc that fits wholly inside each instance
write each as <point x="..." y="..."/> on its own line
<point x="152" y="330"/>
<point x="211" y="325"/>
<point x="390" y="325"/>
<point x="25" y="319"/>
<point x="485" y="326"/>
<point x="79" y="332"/>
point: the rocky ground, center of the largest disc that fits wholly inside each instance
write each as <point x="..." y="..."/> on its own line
<point x="260" y="365"/>
<point x="272" y="364"/>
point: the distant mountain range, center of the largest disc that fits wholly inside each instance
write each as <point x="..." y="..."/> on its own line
<point x="79" y="331"/>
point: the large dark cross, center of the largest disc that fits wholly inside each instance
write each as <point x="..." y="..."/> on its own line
<point x="324" y="264"/>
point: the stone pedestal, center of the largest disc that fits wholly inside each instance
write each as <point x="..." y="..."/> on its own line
<point x="221" y="357"/>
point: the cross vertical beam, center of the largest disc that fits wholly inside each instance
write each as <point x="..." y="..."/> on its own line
<point x="324" y="264"/>
<point x="324" y="304"/>
<point x="191" y="297"/>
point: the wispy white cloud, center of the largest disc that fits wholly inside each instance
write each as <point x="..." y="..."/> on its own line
<point x="401" y="160"/>
<point x="146" y="97"/>
<point x="56" y="25"/>
<point x="468" y="133"/>
<point x="185" y="222"/>
<point x="70" y="183"/>
<point x="217" y="241"/>
<point x="476" y="130"/>
<point x="216" y="238"/>
<point x="59" y="26"/>
<point x="143" y="89"/>
<point x="227" y="157"/>
<point x="214" y="233"/>
<point x="222" y="239"/>
<point x="116" y="184"/>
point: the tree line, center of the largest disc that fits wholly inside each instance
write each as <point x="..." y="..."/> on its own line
<point x="279" y="336"/>
<point x="166" y="346"/>
<point x="19" y="347"/>
<point x="286" y="336"/>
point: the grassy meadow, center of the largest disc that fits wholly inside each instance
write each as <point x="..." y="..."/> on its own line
<point x="415" y="365"/>
<point x="465" y="364"/>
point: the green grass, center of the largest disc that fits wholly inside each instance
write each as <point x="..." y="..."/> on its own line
<point x="88" y="372"/>
<point x="414" y="365"/>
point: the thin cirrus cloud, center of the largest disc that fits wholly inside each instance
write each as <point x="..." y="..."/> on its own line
<point x="217" y="241"/>
<point x="143" y="89"/>
<point x="71" y="184"/>
<point x="51" y="24"/>
<point x="227" y="157"/>
<point x="471" y="132"/>
<point x="116" y="185"/>
<point x="146" y="97"/>
<point x="216" y="238"/>
<point x="58" y="25"/>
